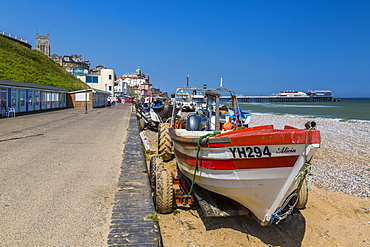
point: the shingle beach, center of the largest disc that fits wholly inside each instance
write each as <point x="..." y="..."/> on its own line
<point x="343" y="160"/>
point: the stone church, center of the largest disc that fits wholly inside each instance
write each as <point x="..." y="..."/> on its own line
<point x="43" y="43"/>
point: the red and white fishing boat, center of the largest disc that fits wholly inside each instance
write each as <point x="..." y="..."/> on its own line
<point x="262" y="168"/>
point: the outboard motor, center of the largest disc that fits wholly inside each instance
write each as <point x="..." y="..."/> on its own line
<point x="192" y="123"/>
<point x="196" y="122"/>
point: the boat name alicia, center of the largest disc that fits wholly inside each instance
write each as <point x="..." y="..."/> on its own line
<point x="286" y="150"/>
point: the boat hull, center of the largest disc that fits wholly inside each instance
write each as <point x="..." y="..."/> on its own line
<point x="256" y="169"/>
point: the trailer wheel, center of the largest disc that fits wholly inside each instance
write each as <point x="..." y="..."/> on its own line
<point x="164" y="142"/>
<point x="162" y="127"/>
<point x="302" y="196"/>
<point x="156" y="164"/>
<point x="163" y="192"/>
<point x="142" y="123"/>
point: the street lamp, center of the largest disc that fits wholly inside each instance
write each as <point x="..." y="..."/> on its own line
<point x="86" y="72"/>
<point x="108" y="101"/>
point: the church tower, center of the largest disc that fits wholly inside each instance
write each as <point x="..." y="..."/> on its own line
<point x="43" y="43"/>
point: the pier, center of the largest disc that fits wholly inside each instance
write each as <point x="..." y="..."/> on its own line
<point x="288" y="96"/>
<point x="273" y="98"/>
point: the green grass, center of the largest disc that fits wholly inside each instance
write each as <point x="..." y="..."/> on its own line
<point x="154" y="217"/>
<point x="19" y="63"/>
<point x="190" y="226"/>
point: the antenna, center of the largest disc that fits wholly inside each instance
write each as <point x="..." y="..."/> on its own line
<point x="187" y="80"/>
<point x="221" y="82"/>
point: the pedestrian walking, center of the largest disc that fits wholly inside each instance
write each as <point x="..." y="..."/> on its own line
<point x="132" y="103"/>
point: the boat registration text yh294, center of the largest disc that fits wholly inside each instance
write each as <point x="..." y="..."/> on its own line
<point x="262" y="151"/>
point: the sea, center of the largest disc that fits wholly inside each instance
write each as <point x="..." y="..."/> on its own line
<point x="346" y="109"/>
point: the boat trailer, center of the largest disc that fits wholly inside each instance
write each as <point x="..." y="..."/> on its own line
<point x="213" y="205"/>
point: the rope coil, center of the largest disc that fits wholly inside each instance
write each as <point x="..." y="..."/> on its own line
<point x="280" y="216"/>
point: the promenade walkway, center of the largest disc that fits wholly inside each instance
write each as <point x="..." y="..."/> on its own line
<point x="63" y="181"/>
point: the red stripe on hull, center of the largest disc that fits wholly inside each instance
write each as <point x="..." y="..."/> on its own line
<point x="271" y="137"/>
<point x="237" y="164"/>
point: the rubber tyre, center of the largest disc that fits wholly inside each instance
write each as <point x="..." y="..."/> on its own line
<point x="163" y="192"/>
<point x="164" y="142"/>
<point x="302" y="196"/>
<point x="142" y="123"/>
<point x="161" y="127"/>
<point x="156" y="164"/>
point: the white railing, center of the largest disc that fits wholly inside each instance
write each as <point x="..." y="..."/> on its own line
<point x="13" y="37"/>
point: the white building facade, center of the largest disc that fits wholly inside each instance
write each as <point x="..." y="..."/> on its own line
<point x="104" y="80"/>
<point x="130" y="80"/>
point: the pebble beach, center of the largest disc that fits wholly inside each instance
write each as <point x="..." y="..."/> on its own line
<point x="343" y="160"/>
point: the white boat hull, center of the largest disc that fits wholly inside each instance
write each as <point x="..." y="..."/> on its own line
<point x="262" y="190"/>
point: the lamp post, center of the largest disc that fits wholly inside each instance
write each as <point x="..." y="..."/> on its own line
<point x="86" y="72"/>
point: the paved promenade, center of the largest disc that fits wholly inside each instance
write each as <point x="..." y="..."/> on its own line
<point x="60" y="172"/>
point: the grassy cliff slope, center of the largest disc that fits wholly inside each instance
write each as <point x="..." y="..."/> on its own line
<point x="18" y="63"/>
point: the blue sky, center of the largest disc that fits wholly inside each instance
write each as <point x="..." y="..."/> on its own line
<point x="257" y="47"/>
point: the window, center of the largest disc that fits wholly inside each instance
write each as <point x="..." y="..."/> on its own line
<point x="3" y="94"/>
<point x="110" y="77"/>
<point x="37" y="97"/>
<point x="92" y="79"/>
<point x="14" y="98"/>
<point x="48" y="100"/>
<point x="30" y="99"/>
<point x="110" y="88"/>
<point x="43" y="99"/>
